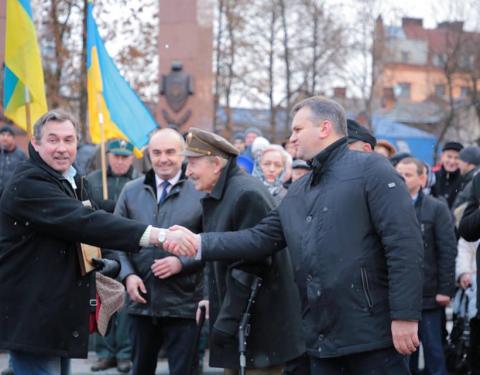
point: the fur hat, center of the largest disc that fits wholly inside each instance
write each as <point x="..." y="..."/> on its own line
<point x="112" y="299"/>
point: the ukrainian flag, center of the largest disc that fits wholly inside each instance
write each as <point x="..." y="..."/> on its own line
<point x="110" y="98"/>
<point x="23" y="66"/>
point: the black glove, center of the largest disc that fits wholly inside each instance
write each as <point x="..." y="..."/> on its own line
<point x="107" y="267"/>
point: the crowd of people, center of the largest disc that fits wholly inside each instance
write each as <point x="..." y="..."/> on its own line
<point x="340" y="253"/>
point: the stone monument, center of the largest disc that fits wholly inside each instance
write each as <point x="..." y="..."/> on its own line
<point x="185" y="60"/>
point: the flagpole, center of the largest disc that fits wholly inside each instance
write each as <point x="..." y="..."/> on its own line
<point x="27" y="111"/>
<point x="102" y="150"/>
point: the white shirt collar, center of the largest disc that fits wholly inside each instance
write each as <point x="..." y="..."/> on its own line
<point x="172" y="181"/>
<point x="69" y="175"/>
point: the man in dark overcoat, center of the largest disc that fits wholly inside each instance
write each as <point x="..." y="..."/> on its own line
<point x="44" y="216"/>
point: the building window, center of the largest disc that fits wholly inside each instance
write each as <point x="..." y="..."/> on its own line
<point x="439" y="59"/>
<point x="402" y="90"/>
<point x="405" y="56"/>
<point x="466" y="61"/>
<point x="440" y="90"/>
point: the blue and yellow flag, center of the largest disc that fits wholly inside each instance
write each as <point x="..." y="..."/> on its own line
<point x="23" y="66"/>
<point x="110" y="96"/>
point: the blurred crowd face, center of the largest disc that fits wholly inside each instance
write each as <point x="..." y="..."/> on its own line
<point x="272" y="165"/>
<point x="239" y="145"/>
<point x="298" y="173"/>
<point x="165" y="154"/>
<point x="465" y="167"/>
<point x="413" y="179"/>
<point x="7" y="141"/>
<point x="450" y="159"/>
<point x="119" y="164"/>
<point x="58" y="145"/>
<point x="249" y="138"/>
<point x="204" y="171"/>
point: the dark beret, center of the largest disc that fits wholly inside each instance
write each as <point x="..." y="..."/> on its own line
<point x="357" y="132"/>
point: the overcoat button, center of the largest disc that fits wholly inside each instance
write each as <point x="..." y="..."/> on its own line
<point x="75" y="334"/>
<point x="308" y="219"/>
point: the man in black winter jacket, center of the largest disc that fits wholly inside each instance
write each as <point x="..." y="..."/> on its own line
<point x="469" y="166"/>
<point x="10" y="155"/>
<point x="440" y="249"/>
<point x="448" y="179"/>
<point x="355" y="245"/>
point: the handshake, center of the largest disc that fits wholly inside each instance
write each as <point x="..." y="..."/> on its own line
<point x="177" y="240"/>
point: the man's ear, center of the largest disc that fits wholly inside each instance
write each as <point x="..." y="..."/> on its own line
<point x="423" y="179"/>
<point x="326" y="128"/>
<point x="35" y="143"/>
<point x="367" y="147"/>
<point x="217" y="165"/>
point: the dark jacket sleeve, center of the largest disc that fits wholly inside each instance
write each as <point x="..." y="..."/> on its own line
<point x="446" y="248"/>
<point x="469" y="227"/>
<point x="253" y="244"/>
<point x="394" y="219"/>
<point x="190" y="265"/>
<point x="50" y="210"/>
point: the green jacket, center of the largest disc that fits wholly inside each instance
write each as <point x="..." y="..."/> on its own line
<point x="115" y="186"/>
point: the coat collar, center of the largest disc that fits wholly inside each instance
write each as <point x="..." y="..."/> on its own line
<point x="229" y="170"/>
<point x="325" y="157"/>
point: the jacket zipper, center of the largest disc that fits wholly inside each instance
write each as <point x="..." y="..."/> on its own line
<point x="366" y="288"/>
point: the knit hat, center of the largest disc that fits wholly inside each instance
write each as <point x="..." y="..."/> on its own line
<point x="7" y="129"/>
<point x="470" y="155"/>
<point x="455" y="146"/>
<point x="112" y="299"/>
<point x="238" y="135"/>
<point x="257" y="131"/>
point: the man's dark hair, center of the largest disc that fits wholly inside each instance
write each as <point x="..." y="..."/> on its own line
<point x="324" y="109"/>
<point x="57" y="115"/>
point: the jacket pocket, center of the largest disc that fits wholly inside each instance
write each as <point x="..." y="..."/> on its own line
<point x="366" y="288"/>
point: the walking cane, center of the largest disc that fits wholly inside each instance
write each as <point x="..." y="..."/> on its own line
<point x="244" y="327"/>
<point x="193" y="355"/>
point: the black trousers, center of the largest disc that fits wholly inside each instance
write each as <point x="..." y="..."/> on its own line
<point x="176" y="334"/>
<point x="378" y="362"/>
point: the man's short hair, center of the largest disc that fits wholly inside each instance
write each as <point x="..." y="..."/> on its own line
<point x="420" y="166"/>
<point x="324" y="109"/>
<point x="57" y="115"/>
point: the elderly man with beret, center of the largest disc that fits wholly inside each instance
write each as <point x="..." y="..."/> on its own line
<point x="237" y="201"/>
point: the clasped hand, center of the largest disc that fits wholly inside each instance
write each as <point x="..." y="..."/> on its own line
<point x="181" y="242"/>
